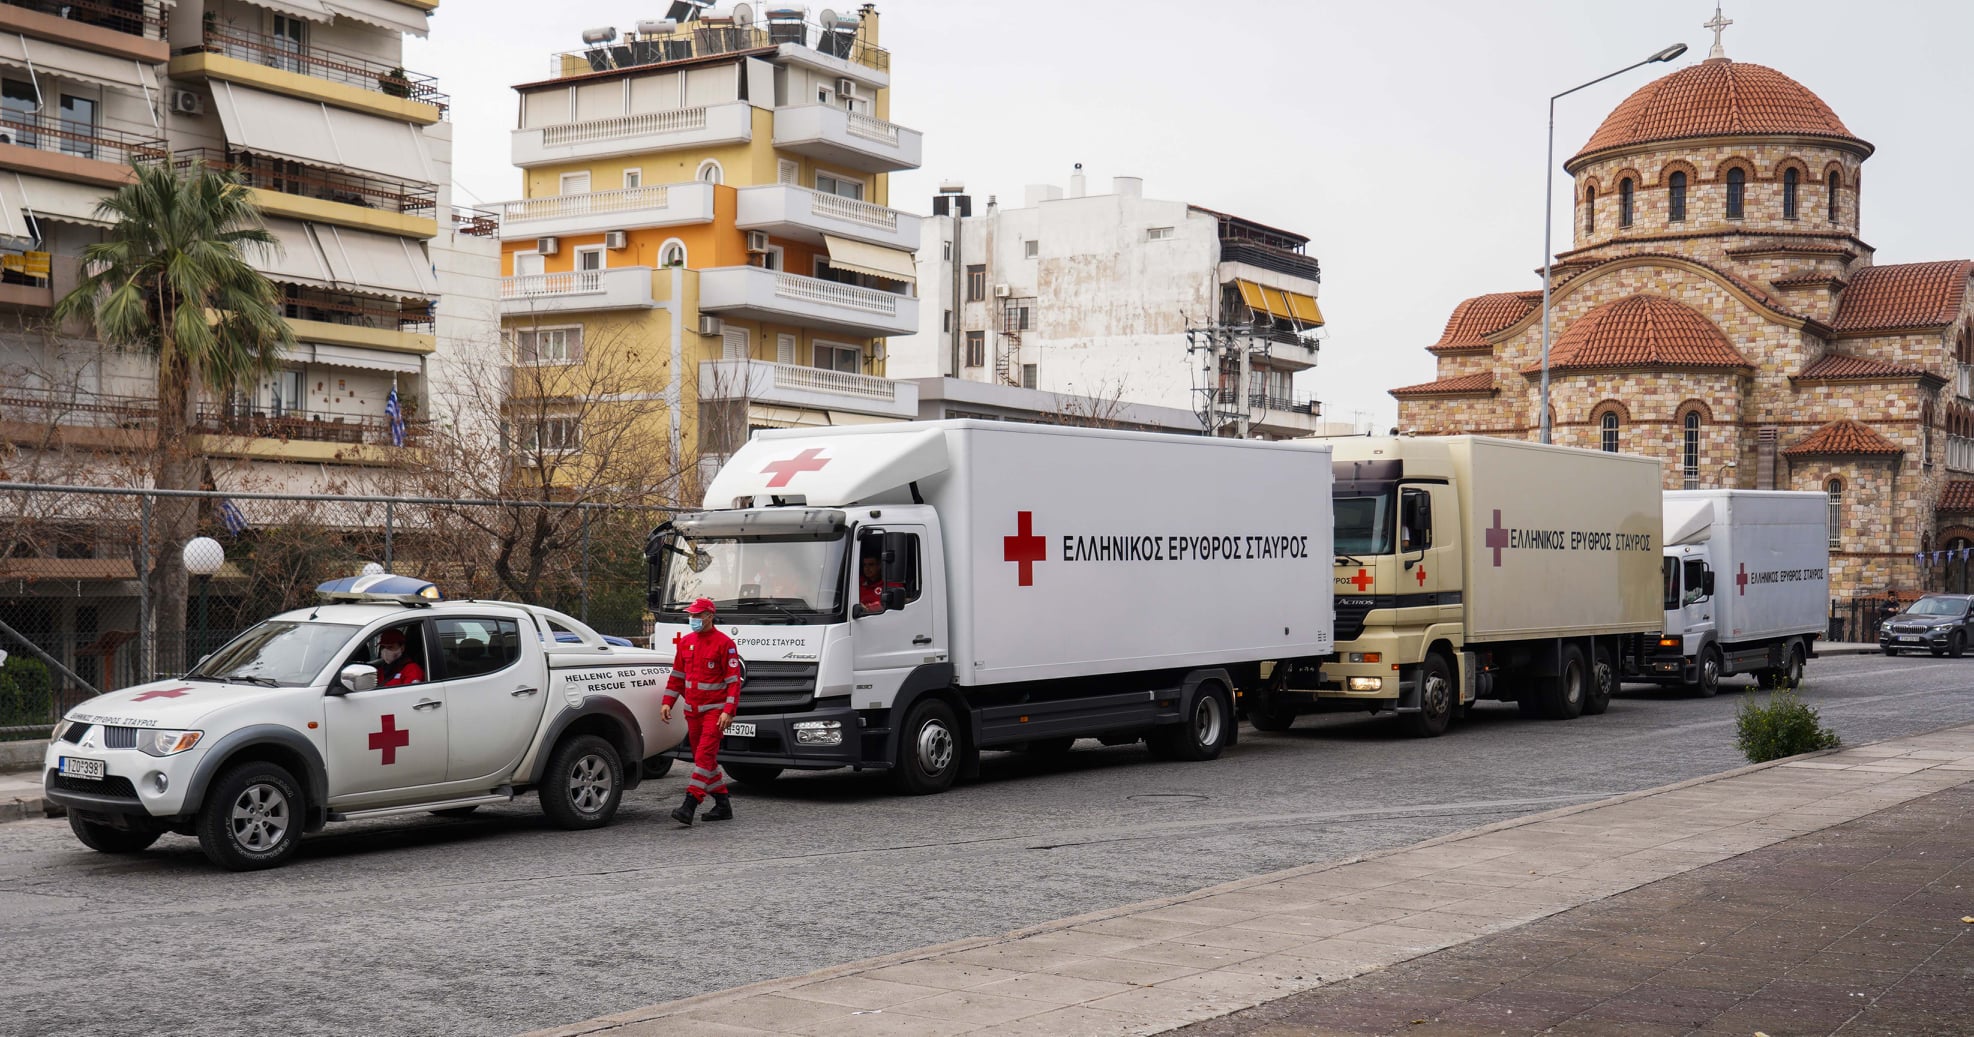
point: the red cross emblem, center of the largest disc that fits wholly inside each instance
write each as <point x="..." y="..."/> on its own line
<point x="1741" y="579"/>
<point x="1025" y="547"/>
<point x="390" y="739"/>
<point x="1421" y="574"/>
<point x="1363" y="580"/>
<point x="810" y="460"/>
<point x="1497" y="538"/>
<point x="161" y="693"/>
<point x="676" y="638"/>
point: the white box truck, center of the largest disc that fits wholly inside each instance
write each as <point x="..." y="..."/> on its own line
<point x="1470" y="568"/>
<point x="1746" y="587"/>
<point x="1033" y="585"/>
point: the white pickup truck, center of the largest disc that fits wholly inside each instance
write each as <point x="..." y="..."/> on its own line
<point x="286" y="728"/>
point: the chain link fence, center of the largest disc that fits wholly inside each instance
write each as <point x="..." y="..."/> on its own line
<point x="84" y="595"/>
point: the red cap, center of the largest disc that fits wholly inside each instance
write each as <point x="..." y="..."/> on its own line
<point x="393" y="636"/>
<point x="700" y="605"/>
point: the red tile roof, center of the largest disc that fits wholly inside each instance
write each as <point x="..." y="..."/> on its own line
<point x="1844" y="437"/>
<point x="1465" y="384"/>
<point x="1482" y="315"/>
<point x="1716" y="98"/>
<point x="1842" y="367"/>
<point x="1905" y="295"/>
<point x="1959" y="496"/>
<point x="1641" y="331"/>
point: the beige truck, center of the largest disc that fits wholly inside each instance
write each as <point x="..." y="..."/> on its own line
<point x="1472" y="569"/>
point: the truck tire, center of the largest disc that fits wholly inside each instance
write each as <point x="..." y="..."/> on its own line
<point x="1438" y="692"/>
<point x="252" y="817"/>
<point x="1563" y="694"/>
<point x="1271" y="719"/>
<point x="929" y="750"/>
<point x="658" y="766"/>
<point x="583" y="784"/>
<point x="1603" y="682"/>
<point x="751" y="773"/>
<point x="104" y="839"/>
<point x="1707" y="684"/>
<point x="1204" y="733"/>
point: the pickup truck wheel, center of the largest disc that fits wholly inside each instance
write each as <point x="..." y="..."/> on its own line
<point x="658" y="766"/>
<point x="1563" y="694"/>
<point x="751" y="773"/>
<point x="929" y="749"/>
<point x="583" y="784"/>
<point x="1203" y="735"/>
<point x="252" y="817"/>
<point x="1603" y="682"/>
<point x="1707" y="685"/>
<point x="1437" y="693"/>
<point x="104" y="839"/>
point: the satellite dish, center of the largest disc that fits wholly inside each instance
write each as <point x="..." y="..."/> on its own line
<point x="600" y="36"/>
<point x="828" y="20"/>
<point x="743" y="16"/>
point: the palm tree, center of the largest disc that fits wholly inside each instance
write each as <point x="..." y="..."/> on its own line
<point x="172" y="280"/>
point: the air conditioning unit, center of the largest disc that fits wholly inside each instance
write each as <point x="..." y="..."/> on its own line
<point x="846" y="88"/>
<point x="6" y="136"/>
<point x="710" y="325"/>
<point x="757" y="241"/>
<point x="616" y="239"/>
<point x="548" y="246"/>
<point x="1002" y="291"/>
<point x="187" y="102"/>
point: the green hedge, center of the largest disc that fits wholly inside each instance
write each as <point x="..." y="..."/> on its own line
<point x="27" y="692"/>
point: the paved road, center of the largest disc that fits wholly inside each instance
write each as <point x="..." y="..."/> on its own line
<point x="498" y="924"/>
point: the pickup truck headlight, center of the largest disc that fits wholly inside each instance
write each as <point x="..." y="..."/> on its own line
<point x="61" y="728"/>
<point x="168" y="743"/>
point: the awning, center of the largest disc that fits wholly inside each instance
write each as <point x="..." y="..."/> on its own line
<point x="13" y="218"/>
<point x="1304" y="308"/>
<point x="296" y="259"/>
<point x="313" y="10"/>
<point x="354" y="356"/>
<point x="61" y="61"/>
<point x="1290" y="306"/>
<point x="377" y="264"/>
<point x="63" y="200"/>
<point x="312" y="132"/>
<point x="876" y="260"/>
<point x="844" y="417"/>
<point x="384" y="14"/>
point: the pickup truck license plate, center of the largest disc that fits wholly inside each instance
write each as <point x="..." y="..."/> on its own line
<point x="736" y="730"/>
<point x="75" y="767"/>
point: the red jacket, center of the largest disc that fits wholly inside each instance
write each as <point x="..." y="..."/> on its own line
<point x="405" y="672"/>
<point x="706" y="670"/>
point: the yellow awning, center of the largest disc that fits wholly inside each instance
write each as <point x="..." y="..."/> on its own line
<point x="1276" y="302"/>
<point x="1304" y="308"/>
<point x="1251" y="295"/>
<point x="876" y="260"/>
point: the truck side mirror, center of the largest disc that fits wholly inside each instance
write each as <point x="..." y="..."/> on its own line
<point x="1707" y="584"/>
<point x="893" y="598"/>
<point x="355" y="677"/>
<point x="897" y="560"/>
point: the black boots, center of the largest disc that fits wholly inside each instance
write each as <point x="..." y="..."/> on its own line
<point x="683" y="815"/>
<point x="722" y="808"/>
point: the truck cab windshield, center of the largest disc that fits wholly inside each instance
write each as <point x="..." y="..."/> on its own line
<point x="791" y="579"/>
<point x="1363" y="524"/>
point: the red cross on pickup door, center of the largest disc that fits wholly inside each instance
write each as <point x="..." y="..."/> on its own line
<point x="384" y="739"/>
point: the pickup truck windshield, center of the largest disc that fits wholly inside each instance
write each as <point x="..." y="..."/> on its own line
<point x="774" y="579"/>
<point x="279" y="654"/>
<point x="1937" y="607"/>
<point x="1363" y="525"/>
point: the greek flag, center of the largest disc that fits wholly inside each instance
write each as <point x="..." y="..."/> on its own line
<point x="396" y="414"/>
<point x="232" y="517"/>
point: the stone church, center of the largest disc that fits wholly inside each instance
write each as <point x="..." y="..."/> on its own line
<point x="1720" y="311"/>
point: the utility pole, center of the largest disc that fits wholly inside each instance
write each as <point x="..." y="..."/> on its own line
<point x="1225" y="349"/>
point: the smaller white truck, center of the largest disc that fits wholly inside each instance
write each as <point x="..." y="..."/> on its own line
<point x="286" y="728"/>
<point x="1747" y="582"/>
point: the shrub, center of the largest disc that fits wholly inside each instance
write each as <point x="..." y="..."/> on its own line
<point x="26" y="693"/>
<point x="1782" y="726"/>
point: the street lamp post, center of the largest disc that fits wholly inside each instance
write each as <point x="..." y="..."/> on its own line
<point x="1549" y="212"/>
<point x="203" y="557"/>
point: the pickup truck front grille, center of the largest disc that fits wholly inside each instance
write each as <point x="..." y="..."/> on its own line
<point x="774" y="687"/>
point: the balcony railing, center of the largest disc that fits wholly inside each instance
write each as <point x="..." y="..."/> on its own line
<point x="62" y="407"/>
<point x="374" y="430"/>
<point x="356" y="311"/>
<point x="476" y="223"/>
<point x="567" y="282"/>
<point x="130" y="17"/>
<point x="1265" y="401"/>
<point x="81" y="140"/>
<point x="707" y="37"/>
<point x="590" y="203"/>
<point x="840" y="383"/>
<point x="853" y="209"/>
<point x="678" y="120"/>
<point x="370" y="192"/>
<point x="1278" y="260"/>
<point x="320" y="63"/>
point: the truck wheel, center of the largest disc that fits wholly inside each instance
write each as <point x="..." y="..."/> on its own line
<point x="1603" y="682"/>
<point x="1708" y="684"/>
<point x="1437" y="693"/>
<point x="1563" y="694"/>
<point x="751" y="773"/>
<point x="1204" y="733"/>
<point x="252" y="817"/>
<point x="104" y="839"/>
<point x="1795" y="666"/>
<point x="929" y="749"/>
<point x="658" y="766"/>
<point x="583" y="784"/>
<point x="1271" y="719"/>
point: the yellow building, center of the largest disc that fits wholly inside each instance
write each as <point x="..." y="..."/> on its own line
<point x="704" y="235"/>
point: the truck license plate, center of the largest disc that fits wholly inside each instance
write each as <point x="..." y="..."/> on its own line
<point x="75" y="767"/>
<point x="735" y="730"/>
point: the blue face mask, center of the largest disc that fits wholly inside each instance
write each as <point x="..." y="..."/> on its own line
<point x="698" y="624"/>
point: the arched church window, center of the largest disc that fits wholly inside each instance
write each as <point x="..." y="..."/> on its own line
<point x="1610" y="432"/>
<point x="1831" y="194"/>
<point x="1834" y="490"/>
<point x="1589" y="210"/>
<point x="1689" y="451"/>
<point x="1737" y="192"/>
<point x="1676" y="198"/>
<point x="1790" y="179"/>
<point x="1624" y="202"/>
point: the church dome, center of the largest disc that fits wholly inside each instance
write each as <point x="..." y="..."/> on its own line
<point x="1642" y="331"/>
<point x="1716" y="98"/>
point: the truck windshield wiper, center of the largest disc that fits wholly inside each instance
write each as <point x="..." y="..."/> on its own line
<point x="765" y="603"/>
<point x="1344" y="559"/>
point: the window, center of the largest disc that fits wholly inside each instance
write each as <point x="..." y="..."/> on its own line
<point x="18" y="104"/>
<point x="284" y="393"/>
<point x="1926" y="435"/>
<point x="589" y="257"/>
<point x="290" y="39"/>
<point x="475" y="647"/>
<point x="1790" y="180"/>
<point x="1589" y="210"/>
<point x="842" y="187"/>
<point x="1737" y="192"/>
<point x="946" y="325"/>
<point x="672" y="253"/>
<point x="1834" y="489"/>
<point x="1030" y="249"/>
<point x="832" y="357"/>
<point x="710" y="173"/>
<point x="633" y="178"/>
<point x="1609" y="427"/>
<point x="903" y="573"/>
<point x="788" y="171"/>
<point x="1830" y="191"/>
<point x="946" y="251"/>
<point x="976" y="349"/>
<point x="575" y="183"/>
<point x="1158" y="233"/>
<point x="785" y="350"/>
<point x="550" y="345"/>
<point x="557" y="436"/>
<point x="1676" y="198"/>
<point x="734" y="344"/>
<point x="527" y="263"/>
<point x="976" y="283"/>
<point x="1028" y="376"/>
<point x="79" y="123"/>
<point x="1689" y="450"/>
<point x="1625" y="202"/>
<point x="1015" y="318"/>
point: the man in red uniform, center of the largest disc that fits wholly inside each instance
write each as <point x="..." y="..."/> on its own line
<point x="706" y="673"/>
<point x="394" y="668"/>
<point x="870" y="586"/>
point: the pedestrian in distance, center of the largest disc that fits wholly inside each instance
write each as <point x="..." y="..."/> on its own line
<point x="706" y="675"/>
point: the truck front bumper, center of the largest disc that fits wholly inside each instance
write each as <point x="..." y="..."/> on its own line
<point x="778" y="741"/>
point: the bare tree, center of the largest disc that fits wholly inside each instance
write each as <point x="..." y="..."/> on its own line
<point x="1102" y="408"/>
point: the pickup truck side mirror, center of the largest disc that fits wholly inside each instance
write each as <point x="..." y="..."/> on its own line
<point x="356" y="677"/>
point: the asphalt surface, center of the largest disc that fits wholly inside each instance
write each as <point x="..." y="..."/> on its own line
<point x="497" y="923"/>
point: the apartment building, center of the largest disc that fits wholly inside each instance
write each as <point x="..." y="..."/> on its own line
<point x="709" y="192"/>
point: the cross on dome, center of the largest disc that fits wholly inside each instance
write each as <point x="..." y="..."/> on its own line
<point x="1717" y="23"/>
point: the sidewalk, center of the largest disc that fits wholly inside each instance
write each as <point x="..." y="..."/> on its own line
<point x="20" y="796"/>
<point x="1160" y="965"/>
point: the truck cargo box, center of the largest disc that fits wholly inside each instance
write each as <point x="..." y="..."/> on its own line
<point x="1769" y="551"/>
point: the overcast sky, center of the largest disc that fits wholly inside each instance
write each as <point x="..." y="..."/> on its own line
<point x="1405" y="139"/>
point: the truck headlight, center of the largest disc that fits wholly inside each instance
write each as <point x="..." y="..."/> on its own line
<point x="168" y="743"/>
<point x="819" y="732"/>
<point x="1367" y="657"/>
<point x="1367" y="683"/>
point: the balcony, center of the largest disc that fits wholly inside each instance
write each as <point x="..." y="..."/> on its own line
<point x="475" y="223"/>
<point x="311" y="73"/>
<point x="659" y="205"/>
<point x="800" y="214"/>
<point x="1271" y="258"/>
<point x="846" y="139"/>
<point x="706" y="126"/>
<point x="810" y="388"/>
<point x="39" y="417"/>
<point x="127" y="29"/>
<point x="359" y="200"/>
<point x="1287" y="417"/>
<point x="754" y="293"/>
<point x="295" y="425"/>
<point x="577" y="291"/>
<point x="75" y="151"/>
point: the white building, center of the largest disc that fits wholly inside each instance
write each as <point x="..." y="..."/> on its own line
<point x="1123" y="297"/>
